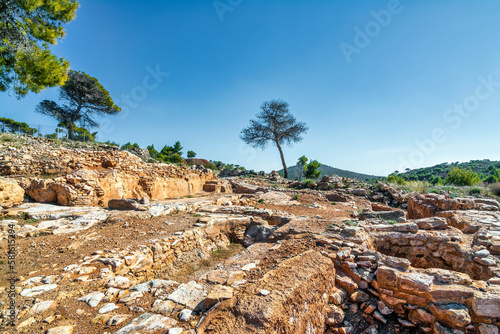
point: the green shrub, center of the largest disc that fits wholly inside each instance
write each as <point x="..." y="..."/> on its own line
<point x="306" y="182"/>
<point x="311" y="169"/>
<point x="110" y="143"/>
<point x="129" y="146"/>
<point x="474" y="191"/>
<point x="334" y="203"/>
<point x="261" y="201"/>
<point x="210" y="166"/>
<point x="396" y="179"/>
<point x="462" y="177"/>
<point x="296" y="196"/>
<point x="350" y="223"/>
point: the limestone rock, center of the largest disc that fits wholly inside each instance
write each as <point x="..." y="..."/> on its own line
<point x="10" y="192"/>
<point x="123" y="204"/>
<point x="453" y="315"/>
<point x="41" y="191"/>
<point x="190" y="294"/>
<point x="107" y="308"/>
<point x="60" y="330"/>
<point x="163" y="306"/>
<point x="431" y="223"/>
<point x="486" y="305"/>
<point x="185" y="315"/>
<point x="334" y="316"/>
<point x="92" y="299"/>
<point x="120" y="282"/>
<point x="117" y="319"/>
<point x="41" y="307"/>
<point x="37" y="290"/>
<point x="440" y="329"/>
<point x="147" y="323"/>
<point x="219" y="293"/>
<point x="415" y="282"/>
<point x="488" y="329"/>
<point x="397" y="215"/>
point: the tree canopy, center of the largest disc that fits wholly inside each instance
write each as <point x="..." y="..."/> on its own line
<point x="9" y="125"/>
<point x="274" y="124"/>
<point x="462" y="177"/>
<point x="27" y="28"/>
<point x="312" y="169"/>
<point x="85" y="98"/>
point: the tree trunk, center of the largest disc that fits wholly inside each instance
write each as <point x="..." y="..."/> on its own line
<point x="282" y="160"/>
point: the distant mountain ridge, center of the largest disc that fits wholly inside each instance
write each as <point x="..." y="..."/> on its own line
<point x="293" y="173"/>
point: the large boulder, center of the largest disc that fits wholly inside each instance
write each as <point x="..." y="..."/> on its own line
<point x="397" y="215"/>
<point x="124" y="204"/>
<point x="245" y="188"/>
<point x="11" y="192"/>
<point x="41" y="191"/>
<point x="337" y="198"/>
<point x="218" y="186"/>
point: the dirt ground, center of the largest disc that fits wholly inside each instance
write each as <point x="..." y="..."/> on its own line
<point x="328" y="210"/>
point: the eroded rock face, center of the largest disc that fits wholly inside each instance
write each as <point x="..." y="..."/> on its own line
<point x="428" y="205"/>
<point x="93" y="177"/>
<point x="10" y="192"/>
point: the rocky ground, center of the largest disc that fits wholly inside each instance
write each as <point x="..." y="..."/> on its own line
<point x="247" y="255"/>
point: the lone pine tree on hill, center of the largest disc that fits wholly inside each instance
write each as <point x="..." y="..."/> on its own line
<point x="85" y="97"/>
<point x="274" y="123"/>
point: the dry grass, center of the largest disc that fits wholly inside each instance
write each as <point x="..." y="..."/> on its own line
<point x="495" y="189"/>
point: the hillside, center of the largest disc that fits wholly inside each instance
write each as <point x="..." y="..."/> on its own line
<point x="328" y="170"/>
<point x="483" y="167"/>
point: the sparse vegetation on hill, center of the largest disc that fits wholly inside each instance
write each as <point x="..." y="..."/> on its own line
<point x="9" y="125"/>
<point x="293" y="173"/>
<point x="486" y="169"/>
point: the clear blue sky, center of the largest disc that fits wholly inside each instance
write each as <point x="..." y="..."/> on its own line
<point x="370" y="78"/>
